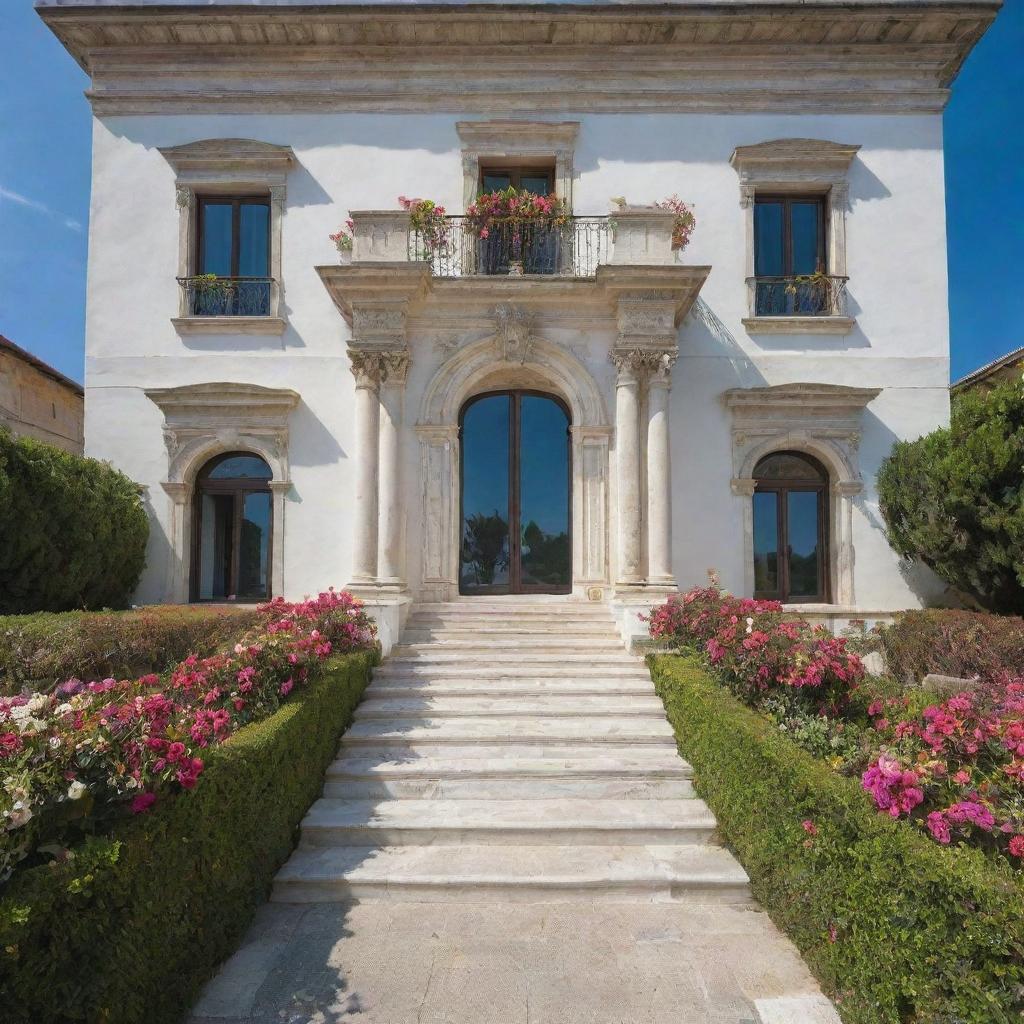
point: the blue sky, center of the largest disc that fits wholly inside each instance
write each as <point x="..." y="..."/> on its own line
<point x="44" y="194"/>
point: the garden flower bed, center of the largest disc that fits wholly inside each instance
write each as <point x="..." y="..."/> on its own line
<point x="954" y="769"/>
<point x="90" y="752"/>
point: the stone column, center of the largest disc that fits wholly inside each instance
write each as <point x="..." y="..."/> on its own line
<point x="390" y="549"/>
<point x="627" y="459"/>
<point x="366" y="369"/>
<point x="659" y="475"/>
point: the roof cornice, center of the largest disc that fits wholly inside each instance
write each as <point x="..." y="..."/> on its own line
<point x="509" y="59"/>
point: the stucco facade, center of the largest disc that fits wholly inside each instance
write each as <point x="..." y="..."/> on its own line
<point x="38" y="401"/>
<point x="674" y="387"/>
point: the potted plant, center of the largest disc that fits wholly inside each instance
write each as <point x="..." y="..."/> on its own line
<point x="429" y="224"/>
<point x="342" y="240"/>
<point x="682" y="228"/>
<point x="517" y="232"/>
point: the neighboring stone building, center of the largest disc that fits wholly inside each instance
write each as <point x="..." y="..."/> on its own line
<point x="1005" y="368"/>
<point x="38" y="401"/>
<point x="584" y="411"/>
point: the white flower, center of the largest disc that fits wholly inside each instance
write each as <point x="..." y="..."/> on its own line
<point x="750" y="625"/>
<point x="20" y="814"/>
<point x="38" y="702"/>
<point x="54" y="742"/>
<point x="63" y="709"/>
<point x="76" y="790"/>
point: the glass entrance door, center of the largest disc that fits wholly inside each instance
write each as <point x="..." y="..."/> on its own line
<point x="516" y="535"/>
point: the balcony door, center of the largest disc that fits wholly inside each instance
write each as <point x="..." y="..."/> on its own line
<point x="515" y="497"/>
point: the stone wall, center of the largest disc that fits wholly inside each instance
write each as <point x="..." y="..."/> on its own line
<point x="35" y="403"/>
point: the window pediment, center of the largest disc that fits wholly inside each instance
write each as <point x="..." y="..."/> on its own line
<point x="801" y="162"/>
<point x="232" y="161"/>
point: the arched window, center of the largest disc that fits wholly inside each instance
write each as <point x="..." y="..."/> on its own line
<point x="233" y="527"/>
<point x="790" y="528"/>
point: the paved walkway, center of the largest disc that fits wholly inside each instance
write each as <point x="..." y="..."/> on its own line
<point x="508" y="835"/>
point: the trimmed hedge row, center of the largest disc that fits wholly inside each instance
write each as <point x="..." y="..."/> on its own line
<point x="39" y="650"/>
<point x="953" y="643"/>
<point x="128" y="930"/>
<point x="74" y="530"/>
<point x="899" y="929"/>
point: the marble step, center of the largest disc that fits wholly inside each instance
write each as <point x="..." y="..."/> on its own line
<point x="536" y="731"/>
<point x="461" y="629"/>
<point x="558" y="822"/>
<point x="515" y="609"/>
<point x="537" y="748"/>
<point x="554" y="645"/>
<point x="490" y="670"/>
<point x="434" y="654"/>
<point x="525" y="689"/>
<point x="691" y="873"/>
<point x="549" y="706"/>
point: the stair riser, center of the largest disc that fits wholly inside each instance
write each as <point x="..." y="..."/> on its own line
<point x="428" y="690"/>
<point x="341" y="891"/>
<point x="369" y="713"/>
<point x="404" y="671"/>
<point x="516" y="748"/>
<point x="484" y="659"/>
<point x="483" y="646"/>
<point x="342" y="788"/>
<point x="546" y="835"/>
<point x="510" y="631"/>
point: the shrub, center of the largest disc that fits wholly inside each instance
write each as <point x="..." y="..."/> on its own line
<point x="73" y="760"/>
<point x="898" y="929"/>
<point x="955" y="643"/>
<point x="43" y="649"/>
<point x="127" y="928"/>
<point x="955" y="498"/>
<point x="74" y="530"/>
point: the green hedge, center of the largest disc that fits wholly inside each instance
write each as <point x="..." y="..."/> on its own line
<point x="897" y="928"/>
<point x="74" y="530"/>
<point x="129" y="930"/>
<point x="39" y="650"/>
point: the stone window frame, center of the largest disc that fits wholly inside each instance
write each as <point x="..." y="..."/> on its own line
<point x="229" y="167"/>
<point x="821" y="420"/>
<point x="512" y="140"/>
<point x="812" y="167"/>
<point x="205" y="420"/>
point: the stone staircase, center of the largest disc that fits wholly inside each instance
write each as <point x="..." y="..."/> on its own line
<point x="510" y="749"/>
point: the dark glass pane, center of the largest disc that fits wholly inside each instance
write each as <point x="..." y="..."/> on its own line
<point x="239" y="467"/>
<point x="253" y="231"/>
<point x="254" y="546"/>
<point x="802" y="525"/>
<point x="495" y="181"/>
<point x="538" y="184"/>
<point x="216" y="537"/>
<point x="215" y="244"/>
<point x="485" y="494"/>
<point x="766" y="542"/>
<point x="769" y="254"/>
<point x="805" y="226"/>
<point x="546" y="557"/>
<point x="787" y="466"/>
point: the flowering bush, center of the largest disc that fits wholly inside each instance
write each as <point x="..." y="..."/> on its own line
<point x="516" y="207"/>
<point x="342" y="238"/>
<point x="955" y="769"/>
<point x="89" y="752"/>
<point x="427" y="220"/>
<point x="685" y="221"/>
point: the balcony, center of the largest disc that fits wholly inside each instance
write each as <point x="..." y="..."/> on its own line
<point x="808" y="304"/>
<point x="228" y="305"/>
<point x="574" y="249"/>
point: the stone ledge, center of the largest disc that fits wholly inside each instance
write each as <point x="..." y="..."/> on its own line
<point x="799" y="324"/>
<point x="229" y="324"/>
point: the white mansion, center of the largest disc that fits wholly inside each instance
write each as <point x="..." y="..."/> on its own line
<point x="573" y="406"/>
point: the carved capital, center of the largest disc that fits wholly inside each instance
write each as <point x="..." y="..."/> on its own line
<point x="395" y="366"/>
<point x="644" y="363"/>
<point x="747" y="196"/>
<point x="277" y="196"/>
<point x="367" y="367"/>
<point x="184" y="197"/>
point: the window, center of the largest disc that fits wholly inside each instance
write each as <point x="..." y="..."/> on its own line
<point x="232" y="257"/>
<point x="538" y="180"/>
<point x="538" y="249"/>
<point x="789" y="243"/>
<point x="790" y="516"/>
<point x="233" y="526"/>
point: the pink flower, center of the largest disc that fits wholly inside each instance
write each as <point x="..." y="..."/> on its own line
<point x="809" y="827"/>
<point x="286" y="687"/>
<point x="938" y="826"/>
<point x="143" y="802"/>
<point x="962" y="777"/>
<point x="1017" y="846"/>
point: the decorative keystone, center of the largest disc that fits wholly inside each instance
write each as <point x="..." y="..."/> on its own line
<point x="380" y="236"/>
<point x="642" y="236"/>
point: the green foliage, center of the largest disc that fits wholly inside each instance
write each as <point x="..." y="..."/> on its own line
<point x="74" y="530"/>
<point x="899" y="929"/>
<point x="128" y="930"/>
<point x="954" y="643"/>
<point x="955" y="498"/>
<point x="37" y="651"/>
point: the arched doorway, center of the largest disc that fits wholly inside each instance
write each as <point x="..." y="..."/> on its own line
<point x="791" y="528"/>
<point x="233" y="520"/>
<point x="516" y="482"/>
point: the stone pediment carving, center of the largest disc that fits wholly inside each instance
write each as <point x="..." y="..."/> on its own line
<point x="513" y="333"/>
<point x="781" y="159"/>
<point x="237" y="158"/>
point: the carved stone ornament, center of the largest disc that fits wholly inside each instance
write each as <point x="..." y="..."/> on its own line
<point x="644" y="362"/>
<point x="184" y="197"/>
<point x="514" y="340"/>
<point x="378" y="322"/>
<point x="367" y="367"/>
<point x="395" y="366"/>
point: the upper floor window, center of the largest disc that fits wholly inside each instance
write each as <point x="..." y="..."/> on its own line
<point x="539" y="181"/>
<point x="790" y="256"/>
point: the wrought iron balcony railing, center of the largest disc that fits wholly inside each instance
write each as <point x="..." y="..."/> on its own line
<point x="575" y="249"/>
<point x="226" y="296"/>
<point x="808" y="295"/>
